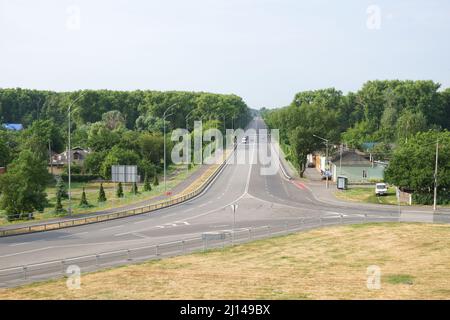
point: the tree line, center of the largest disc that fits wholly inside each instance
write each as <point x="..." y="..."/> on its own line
<point x="118" y="127"/>
<point x="388" y="114"/>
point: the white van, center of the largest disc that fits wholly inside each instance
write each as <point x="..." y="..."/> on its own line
<point x="381" y="189"/>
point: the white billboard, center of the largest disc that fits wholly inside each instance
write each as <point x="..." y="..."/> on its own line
<point x="120" y="173"/>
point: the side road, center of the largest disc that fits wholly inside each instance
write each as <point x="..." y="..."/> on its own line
<point x="178" y="189"/>
<point x="317" y="187"/>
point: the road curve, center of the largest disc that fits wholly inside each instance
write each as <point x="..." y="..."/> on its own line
<point x="263" y="200"/>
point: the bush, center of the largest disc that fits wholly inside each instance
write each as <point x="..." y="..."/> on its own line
<point x="80" y="177"/>
<point x="443" y="198"/>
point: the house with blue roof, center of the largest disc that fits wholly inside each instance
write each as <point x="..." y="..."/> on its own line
<point x="13" y="126"/>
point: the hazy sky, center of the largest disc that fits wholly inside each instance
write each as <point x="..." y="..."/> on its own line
<point x="262" y="50"/>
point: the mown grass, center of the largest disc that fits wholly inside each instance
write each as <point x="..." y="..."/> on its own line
<point x="175" y="176"/>
<point x="328" y="263"/>
<point x="365" y="194"/>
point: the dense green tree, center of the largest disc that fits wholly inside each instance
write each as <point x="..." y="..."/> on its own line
<point x="134" y="188"/>
<point x="118" y="156"/>
<point x="58" y="206"/>
<point x="412" y="165"/>
<point x="22" y="187"/>
<point x="93" y="162"/>
<point x="409" y="123"/>
<point x="119" y="191"/>
<point x="101" y="194"/>
<point x="147" y="185"/>
<point x="84" y="202"/>
<point x="155" y="180"/>
<point x="5" y="150"/>
<point x="61" y="190"/>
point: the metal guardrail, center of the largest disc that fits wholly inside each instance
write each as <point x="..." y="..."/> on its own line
<point x="60" y="268"/>
<point x="115" y="215"/>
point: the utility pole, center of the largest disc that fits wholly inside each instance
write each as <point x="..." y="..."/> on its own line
<point x="326" y="157"/>
<point x="435" y="175"/>
<point x="234" y="208"/>
<point x="69" y="151"/>
<point x="164" y="122"/>
<point x="188" y="155"/>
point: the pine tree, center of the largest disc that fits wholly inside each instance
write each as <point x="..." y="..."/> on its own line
<point x="134" y="188"/>
<point x="119" y="191"/>
<point x="58" y="207"/>
<point x="155" y="180"/>
<point x="61" y="188"/>
<point x="83" y="201"/>
<point x="147" y="185"/>
<point x="101" y="194"/>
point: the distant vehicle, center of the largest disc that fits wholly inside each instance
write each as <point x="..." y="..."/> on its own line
<point x="381" y="189"/>
<point x="245" y="139"/>
<point x="326" y="174"/>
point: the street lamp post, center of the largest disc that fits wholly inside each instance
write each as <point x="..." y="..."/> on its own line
<point x="326" y="157"/>
<point x="435" y="176"/>
<point x="187" y="155"/>
<point x="234" y="208"/>
<point x="164" y="123"/>
<point x="69" y="153"/>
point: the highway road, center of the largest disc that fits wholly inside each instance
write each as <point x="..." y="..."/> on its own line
<point x="263" y="200"/>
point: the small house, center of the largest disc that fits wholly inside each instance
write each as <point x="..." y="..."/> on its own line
<point x="357" y="167"/>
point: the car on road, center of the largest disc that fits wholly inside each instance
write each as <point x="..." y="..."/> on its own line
<point x="381" y="189"/>
<point x="326" y="174"/>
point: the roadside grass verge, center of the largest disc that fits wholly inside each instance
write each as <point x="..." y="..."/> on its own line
<point x="175" y="176"/>
<point x="362" y="194"/>
<point x="327" y="263"/>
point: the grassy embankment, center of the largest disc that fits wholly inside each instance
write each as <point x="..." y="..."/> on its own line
<point x="176" y="174"/>
<point x="367" y="194"/>
<point x="328" y="263"/>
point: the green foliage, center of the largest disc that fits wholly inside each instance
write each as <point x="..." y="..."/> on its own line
<point x="84" y="202"/>
<point x="22" y="187"/>
<point x="93" y="162"/>
<point x="413" y="163"/>
<point x="147" y="185"/>
<point x="58" y="207"/>
<point x="101" y="194"/>
<point x="134" y="188"/>
<point x="119" y="191"/>
<point x="5" y="149"/>
<point x="299" y="124"/>
<point x="409" y="123"/>
<point x="61" y="190"/>
<point x="113" y="119"/>
<point x="118" y="156"/>
<point x="155" y="180"/>
<point x="79" y="177"/>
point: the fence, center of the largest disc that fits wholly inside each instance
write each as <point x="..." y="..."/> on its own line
<point x="209" y="240"/>
<point x="115" y="215"/>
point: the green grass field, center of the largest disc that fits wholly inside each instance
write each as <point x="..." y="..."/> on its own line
<point x="327" y="263"/>
<point x="175" y="176"/>
<point x="365" y="194"/>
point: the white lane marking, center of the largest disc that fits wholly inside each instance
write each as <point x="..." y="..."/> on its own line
<point x="28" y="251"/>
<point x="139" y="235"/>
<point x="18" y="244"/>
<point x="73" y="234"/>
<point x="110" y="228"/>
<point x="142" y="221"/>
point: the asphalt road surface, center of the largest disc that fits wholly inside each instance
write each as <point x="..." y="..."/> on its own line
<point x="263" y="200"/>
